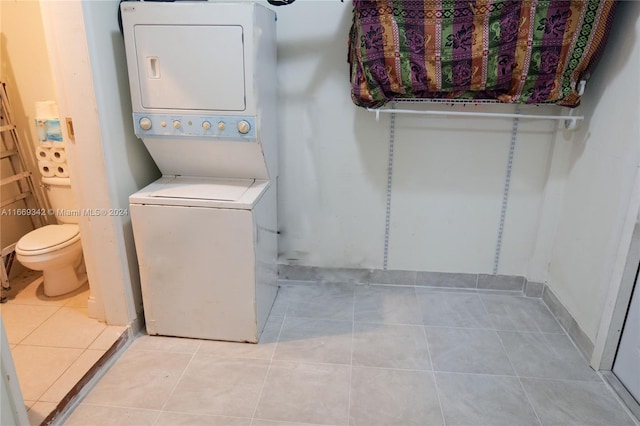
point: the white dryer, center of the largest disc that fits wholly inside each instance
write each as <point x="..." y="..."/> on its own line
<point x="203" y="78"/>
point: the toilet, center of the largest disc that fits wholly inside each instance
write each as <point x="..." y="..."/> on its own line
<point x="56" y="250"/>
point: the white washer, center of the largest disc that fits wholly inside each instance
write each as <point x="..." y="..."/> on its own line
<point x="206" y="266"/>
<point x="206" y="232"/>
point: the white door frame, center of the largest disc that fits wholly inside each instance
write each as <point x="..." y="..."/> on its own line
<point x="12" y="409"/>
<point x="621" y="286"/>
<point x="102" y="240"/>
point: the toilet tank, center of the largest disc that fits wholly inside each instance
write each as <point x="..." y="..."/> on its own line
<point x="61" y="199"/>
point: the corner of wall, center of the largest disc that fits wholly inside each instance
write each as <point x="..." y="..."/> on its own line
<point x="593" y="223"/>
<point x="567" y="321"/>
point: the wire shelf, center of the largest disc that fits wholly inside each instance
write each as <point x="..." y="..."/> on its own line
<point x="570" y="120"/>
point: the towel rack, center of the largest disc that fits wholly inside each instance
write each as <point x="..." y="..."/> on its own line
<point x="570" y="121"/>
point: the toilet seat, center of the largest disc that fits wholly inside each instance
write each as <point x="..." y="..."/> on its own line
<point x="47" y="239"/>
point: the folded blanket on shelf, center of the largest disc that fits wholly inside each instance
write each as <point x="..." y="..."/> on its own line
<point x="513" y="51"/>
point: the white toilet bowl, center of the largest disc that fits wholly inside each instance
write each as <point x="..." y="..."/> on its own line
<point x="55" y="250"/>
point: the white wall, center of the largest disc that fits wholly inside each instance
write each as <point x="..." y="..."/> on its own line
<point x="332" y="170"/>
<point x="25" y="63"/>
<point x="129" y="165"/>
<point x="602" y="168"/>
<point x="448" y="174"/>
<point x="109" y="162"/>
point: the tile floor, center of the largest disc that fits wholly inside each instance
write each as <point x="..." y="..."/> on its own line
<point x="338" y="354"/>
<point x="53" y="341"/>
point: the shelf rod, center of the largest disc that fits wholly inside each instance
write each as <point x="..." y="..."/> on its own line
<point x="570" y="120"/>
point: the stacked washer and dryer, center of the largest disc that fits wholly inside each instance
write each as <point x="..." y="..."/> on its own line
<point x="203" y="90"/>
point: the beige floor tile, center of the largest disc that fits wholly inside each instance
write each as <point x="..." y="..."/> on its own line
<point x="262" y="422"/>
<point x="69" y="378"/>
<point x="96" y="415"/>
<point x="386" y="397"/>
<point x="22" y="320"/>
<point x="207" y="383"/>
<point x="559" y="402"/>
<point x="78" y="298"/>
<point x="38" y="367"/>
<point x="140" y="379"/>
<point x="39" y="411"/>
<point x="66" y="328"/>
<point x="33" y="294"/>
<point x="28" y="404"/>
<point x="315" y="340"/>
<point x="108" y="337"/>
<point x="262" y="350"/>
<point x="181" y="419"/>
<point x="25" y="278"/>
<point x="390" y="346"/>
<point x="326" y="301"/>
<point x="479" y="399"/>
<point x="219" y="387"/>
<point x="165" y="344"/>
<point x="305" y="393"/>
<point x="387" y="305"/>
<point x="465" y="350"/>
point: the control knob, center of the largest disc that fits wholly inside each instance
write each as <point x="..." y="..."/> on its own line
<point x="176" y="124"/>
<point x="206" y="125"/>
<point x="244" y="127"/>
<point x="145" y="123"/>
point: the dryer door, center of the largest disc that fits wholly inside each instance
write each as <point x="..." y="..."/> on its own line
<point x="191" y="67"/>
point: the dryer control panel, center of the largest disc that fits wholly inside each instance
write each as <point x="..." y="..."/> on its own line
<point x="228" y="127"/>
